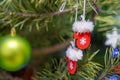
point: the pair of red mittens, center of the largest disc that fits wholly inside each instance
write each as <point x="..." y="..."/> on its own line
<point x="82" y="40"/>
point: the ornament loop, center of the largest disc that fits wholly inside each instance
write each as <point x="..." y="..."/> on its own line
<point x="83" y="17"/>
<point x="62" y="6"/>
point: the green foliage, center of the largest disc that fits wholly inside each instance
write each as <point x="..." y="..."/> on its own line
<point x="52" y="29"/>
<point x="56" y="29"/>
<point x="9" y="8"/>
<point x="86" y="69"/>
<point x="109" y="11"/>
<point x="15" y="11"/>
<point x="109" y="62"/>
<point x="57" y="70"/>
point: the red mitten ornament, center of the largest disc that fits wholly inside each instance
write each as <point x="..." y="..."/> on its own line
<point x="76" y="35"/>
<point x="72" y="65"/>
<point x="82" y="31"/>
<point x="73" y="55"/>
<point x="83" y="40"/>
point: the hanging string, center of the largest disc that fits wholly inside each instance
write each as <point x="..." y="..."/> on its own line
<point x="76" y="15"/>
<point x="72" y="44"/>
<point x="11" y="19"/>
<point x="62" y="7"/>
<point x="84" y="7"/>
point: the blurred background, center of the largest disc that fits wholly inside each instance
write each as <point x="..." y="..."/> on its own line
<point x="49" y="31"/>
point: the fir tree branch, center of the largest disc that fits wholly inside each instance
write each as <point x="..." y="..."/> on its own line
<point x="44" y="15"/>
<point x="51" y="49"/>
<point x="38" y="15"/>
<point x="110" y="62"/>
<point x="105" y="74"/>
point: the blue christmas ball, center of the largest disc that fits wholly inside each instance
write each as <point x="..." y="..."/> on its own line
<point x="113" y="77"/>
<point x="115" y="52"/>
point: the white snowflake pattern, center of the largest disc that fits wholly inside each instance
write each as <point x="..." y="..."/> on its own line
<point x="83" y="41"/>
<point x="112" y="38"/>
<point x="71" y="65"/>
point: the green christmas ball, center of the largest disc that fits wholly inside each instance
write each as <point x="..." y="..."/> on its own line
<point x="15" y="53"/>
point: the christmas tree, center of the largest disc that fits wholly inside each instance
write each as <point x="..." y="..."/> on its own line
<point x="48" y="28"/>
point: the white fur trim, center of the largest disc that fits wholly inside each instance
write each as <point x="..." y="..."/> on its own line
<point x="74" y="54"/>
<point x="83" y="26"/>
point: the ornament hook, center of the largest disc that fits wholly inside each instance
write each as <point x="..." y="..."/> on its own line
<point x="62" y="6"/>
<point x="13" y="31"/>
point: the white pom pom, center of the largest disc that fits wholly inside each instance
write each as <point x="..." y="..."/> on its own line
<point x="83" y="26"/>
<point x="74" y="54"/>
